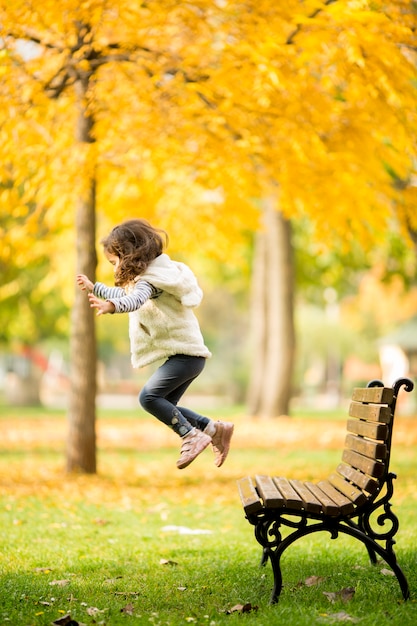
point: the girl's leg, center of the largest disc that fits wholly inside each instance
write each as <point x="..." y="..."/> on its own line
<point x="164" y="389"/>
<point x="160" y="396"/>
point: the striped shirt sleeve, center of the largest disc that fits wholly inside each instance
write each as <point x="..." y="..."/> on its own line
<point x="123" y="302"/>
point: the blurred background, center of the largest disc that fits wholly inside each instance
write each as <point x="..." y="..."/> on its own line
<point x="277" y="147"/>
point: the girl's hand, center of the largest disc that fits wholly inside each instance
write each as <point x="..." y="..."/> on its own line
<point x="102" y="306"/>
<point x="84" y="282"/>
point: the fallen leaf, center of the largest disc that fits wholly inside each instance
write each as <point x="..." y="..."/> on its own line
<point x="242" y="608"/>
<point x="347" y="594"/>
<point x="167" y="562"/>
<point x="344" y="595"/>
<point x="100" y="522"/>
<point x="128" y="609"/>
<point x="126" y="593"/>
<point x="331" y="596"/>
<point x="43" y="570"/>
<point x="93" y="610"/>
<point x="66" y="620"/>
<point x="110" y="581"/>
<point x="60" y="583"/>
<point x="342" y="617"/>
<point x="387" y="572"/>
<point x="313" y="580"/>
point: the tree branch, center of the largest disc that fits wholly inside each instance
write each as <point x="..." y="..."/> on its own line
<point x="290" y="39"/>
<point x="57" y="84"/>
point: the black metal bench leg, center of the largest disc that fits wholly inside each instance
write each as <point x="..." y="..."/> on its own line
<point x="385" y="553"/>
<point x="264" y="559"/>
<point x="372" y="555"/>
<point x="402" y="581"/>
<point x="276" y="570"/>
<point x="359" y="528"/>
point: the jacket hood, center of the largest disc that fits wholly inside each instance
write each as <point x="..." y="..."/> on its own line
<point x="175" y="278"/>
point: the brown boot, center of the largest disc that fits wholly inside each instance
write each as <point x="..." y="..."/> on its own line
<point x="221" y="441"/>
<point x="192" y="444"/>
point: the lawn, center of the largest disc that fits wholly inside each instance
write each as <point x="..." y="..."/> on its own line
<point x="144" y="543"/>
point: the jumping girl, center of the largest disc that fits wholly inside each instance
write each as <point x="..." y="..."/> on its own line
<point x="159" y="294"/>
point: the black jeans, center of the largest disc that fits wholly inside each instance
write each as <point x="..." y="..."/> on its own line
<point x="164" y="389"/>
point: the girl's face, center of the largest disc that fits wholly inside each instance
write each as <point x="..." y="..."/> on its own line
<point x="113" y="259"/>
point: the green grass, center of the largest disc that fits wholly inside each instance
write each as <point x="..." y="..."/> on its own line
<point x="91" y="546"/>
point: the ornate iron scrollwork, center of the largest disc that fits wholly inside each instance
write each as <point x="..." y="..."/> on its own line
<point x="366" y="520"/>
<point x="268" y="529"/>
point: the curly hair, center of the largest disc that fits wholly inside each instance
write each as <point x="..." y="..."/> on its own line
<point x="136" y="243"/>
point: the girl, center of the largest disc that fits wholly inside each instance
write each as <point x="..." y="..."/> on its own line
<point x="159" y="294"/>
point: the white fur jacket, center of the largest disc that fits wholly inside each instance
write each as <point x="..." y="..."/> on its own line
<point x="164" y="324"/>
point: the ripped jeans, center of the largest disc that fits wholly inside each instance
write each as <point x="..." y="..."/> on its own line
<point x="166" y="386"/>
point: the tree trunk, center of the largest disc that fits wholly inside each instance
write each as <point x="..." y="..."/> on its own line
<point x="272" y="317"/>
<point x="81" y="442"/>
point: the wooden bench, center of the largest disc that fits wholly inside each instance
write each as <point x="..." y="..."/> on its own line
<point x="351" y="500"/>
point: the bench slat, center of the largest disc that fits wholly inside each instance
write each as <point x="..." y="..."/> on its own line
<point x="354" y="494"/>
<point x="345" y="505"/>
<point x="368" y="484"/>
<point x="372" y="430"/>
<point x="368" y="448"/>
<point x="329" y="506"/>
<point x="372" y="412"/>
<point x="377" y="395"/>
<point x="310" y="502"/>
<point x="363" y="463"/>
<point x="269" y="492"/>
<point x="249" y="496"/>
<point x="291" y="497"/>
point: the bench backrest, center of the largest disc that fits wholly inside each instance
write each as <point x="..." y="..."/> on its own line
<point x="359" y="477"/>
<point x="365" y="460"/>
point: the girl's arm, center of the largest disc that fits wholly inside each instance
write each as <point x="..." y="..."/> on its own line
<point x="103" y="291"/>
<point x="118" y="301"/>
<point x="99" y="289"/>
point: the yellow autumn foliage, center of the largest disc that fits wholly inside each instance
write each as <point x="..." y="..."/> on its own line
<point x="198" y="109"/>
